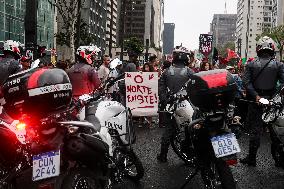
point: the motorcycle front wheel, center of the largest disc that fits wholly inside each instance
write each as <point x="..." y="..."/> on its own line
<point x="134" y="166"/>
<point x="184" y="151"/>
<point x="82" y="178"/>
<point x="129" y="164"/>
<point x="218" y="176"/>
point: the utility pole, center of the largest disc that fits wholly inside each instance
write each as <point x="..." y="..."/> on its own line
<point x="123" y="7"/>
<point x="31" y="26"/>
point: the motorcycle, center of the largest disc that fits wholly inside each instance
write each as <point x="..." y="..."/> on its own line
<point x="208" y="141"/>
<point x="115" y="120"/>
<point x="273" y="116"/>
<point x="56" y="153"/>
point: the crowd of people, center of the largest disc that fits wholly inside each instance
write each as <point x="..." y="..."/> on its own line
<point x="261" y="78"/>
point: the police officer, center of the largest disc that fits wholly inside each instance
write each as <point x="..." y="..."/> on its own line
<point x="260" y="80"/>
<point x="171" y="81"/>
<point x="82" y="74"/>
<point x="9" y="65"/>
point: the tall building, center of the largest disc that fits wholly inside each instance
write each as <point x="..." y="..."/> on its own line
<point x="277" y="12"/>
<point x="142" y="19"/>
<point x="45" y="24"/>
<point x="169" y="38"/>
<point x="112" y="17"/>
<point x="254" y="17"/>
<point x="223" y="28"/>
<point x="94" y="13"/>
<point x="12" y="21"/>
<point x="12" y="14"/>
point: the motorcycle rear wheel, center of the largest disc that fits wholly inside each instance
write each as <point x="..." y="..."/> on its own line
<point x="82" y="178"/>
<point x="219" y="176"/>
<point x="278" y="155"/>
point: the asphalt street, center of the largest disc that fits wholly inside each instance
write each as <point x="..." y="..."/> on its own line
<point x="171" y="175"/>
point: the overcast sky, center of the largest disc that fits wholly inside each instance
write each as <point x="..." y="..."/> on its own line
<point x="193" y="17"/>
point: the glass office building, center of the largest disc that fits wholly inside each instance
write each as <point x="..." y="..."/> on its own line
<point x="12" y="15"/>
<point x="45" y="24"/>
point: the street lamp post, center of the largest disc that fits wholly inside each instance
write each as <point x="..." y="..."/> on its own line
<point x="123" y="5"/>
<point x="111" y="28"/>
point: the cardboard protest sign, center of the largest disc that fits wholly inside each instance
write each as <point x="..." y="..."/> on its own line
<point x="142" y="93"/>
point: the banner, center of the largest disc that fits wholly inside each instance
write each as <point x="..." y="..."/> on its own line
<point x="142" y="93"/>
<point x="205" y="44"/>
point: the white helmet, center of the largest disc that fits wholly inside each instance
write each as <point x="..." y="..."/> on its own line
<point x="265" y="43"/>
<point x="12" y="46"/>
<point x="180" y="53"/>
<point x="86" y="52"/>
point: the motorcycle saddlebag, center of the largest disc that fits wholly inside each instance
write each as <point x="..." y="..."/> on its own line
<point x="212" y="90"/>
<point x="86" y="148"/>
<point x="37" y="92"/>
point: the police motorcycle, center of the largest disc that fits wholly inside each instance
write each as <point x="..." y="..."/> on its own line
<point x="116" y="125"/>
<point x="181" y="112"/>
<point x="55" y="153"/>
<point x="211" y="144"/>
<point x="273" y="116"/>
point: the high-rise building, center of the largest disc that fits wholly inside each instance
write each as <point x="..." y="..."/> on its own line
<point x="94" y="13"/>
<point x="277" y="12"/>
<point x="12" y="19"/>
<point x="142" y="19"/>
<point x="12" y="14"/>
<point x="254" y="17"/>
<point x="45" y="24"/>
<point x="169" y="38"/>
<point x="112" y="17"/>
<point x="223" y="28"/>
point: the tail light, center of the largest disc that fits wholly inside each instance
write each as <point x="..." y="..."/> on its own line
<point x="46" y="186"/>
<point x="232" y="162"/>
<point x="21" y="126"/>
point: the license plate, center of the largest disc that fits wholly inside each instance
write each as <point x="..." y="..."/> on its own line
<point x="46" y="165"/>
<point x="225" y="145"/>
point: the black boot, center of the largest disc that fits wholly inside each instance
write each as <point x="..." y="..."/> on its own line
<point x="162" y="157"/>
<point x="250" y="159"/>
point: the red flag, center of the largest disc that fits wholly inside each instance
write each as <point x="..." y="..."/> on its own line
<point x="232" y="54"/>
<point x="223" y="60"/>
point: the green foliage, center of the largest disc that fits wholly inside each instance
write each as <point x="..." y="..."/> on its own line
<point x="133" y="46"/>
<point x="277" y="34"/>
<point x="222" y="50"/>
<point x="86" y="38"/>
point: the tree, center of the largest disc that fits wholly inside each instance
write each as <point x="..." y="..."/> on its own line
<point x="277" y="34"/>
<point x="86" y="38"/>
<point x="222" y="50"/>
<point x="69" y="11"/>
<point x="133" y="46"/>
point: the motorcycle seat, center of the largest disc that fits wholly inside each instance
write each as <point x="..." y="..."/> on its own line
<point x="81" y="124"/>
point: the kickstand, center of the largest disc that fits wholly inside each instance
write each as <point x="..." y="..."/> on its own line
<point x="189" y="177"/>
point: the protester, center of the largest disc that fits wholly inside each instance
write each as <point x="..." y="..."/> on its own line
<point x="62" y="65"/>
<point x="172" y="81"/>
<point x="103" y="71"/>
<point x="192" y="63"/>
<point x="147" y="67"/>
<point x="205" y="66"/>
<point x="166" y="65"/>
<point x="114" y="73"/>
<point x="260" y="80"/>
<point x="25" y="62"/>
